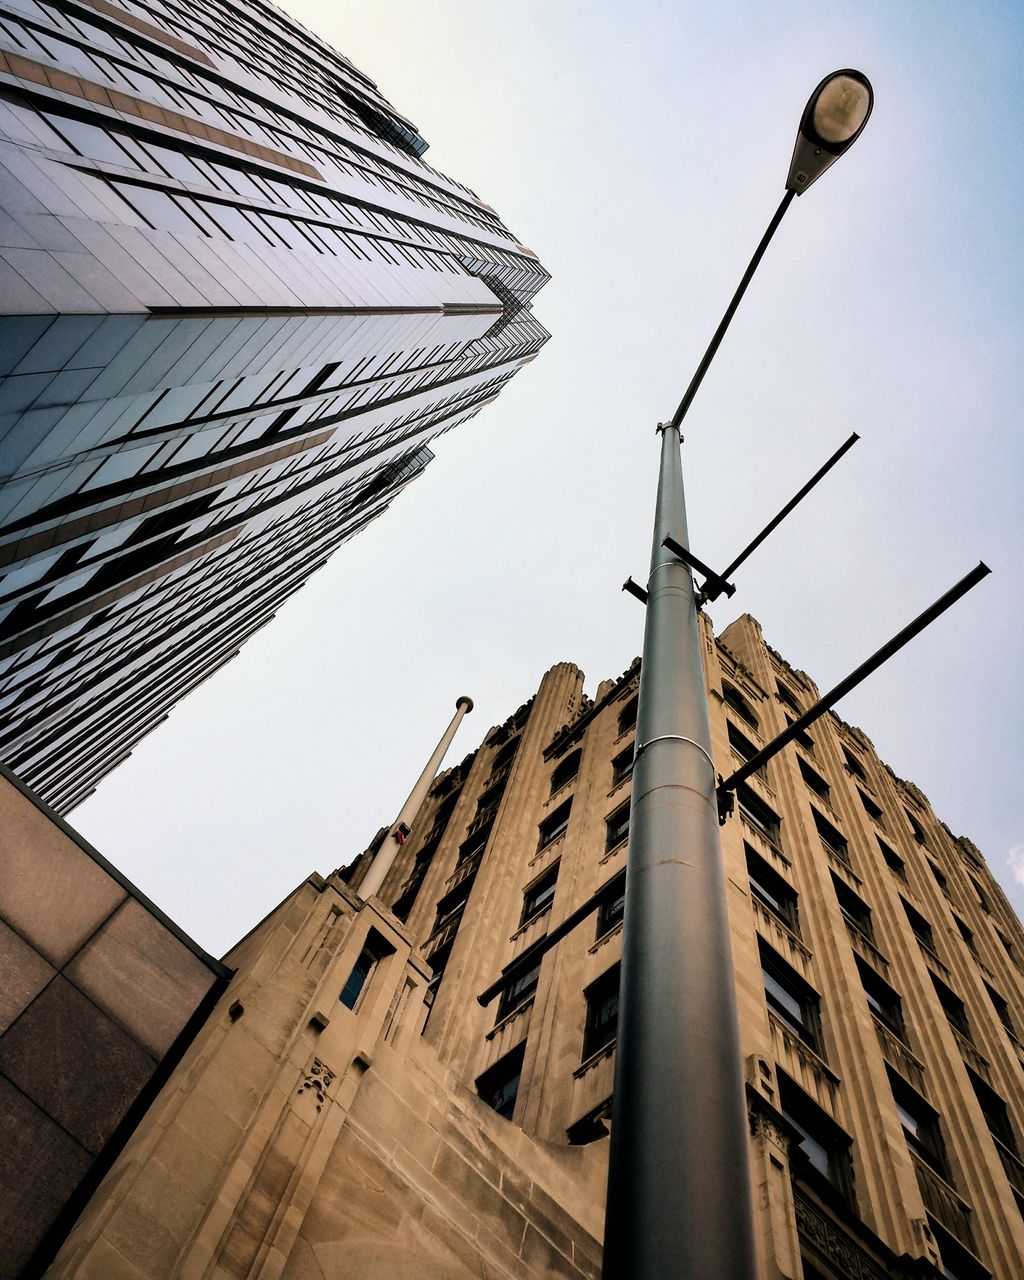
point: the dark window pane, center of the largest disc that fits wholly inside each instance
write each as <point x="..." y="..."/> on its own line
<point x="771" y="890"/>
<point x="499" y="1085"/>
<point x="622" y="766"/>
<point x="602" y="1012"/>
<point x="539" y="896"/>
<point x="518" y="992"/>
<point x="554" y="824"/>
<point x="566" y="771"/>
<point x="616" y="827"/>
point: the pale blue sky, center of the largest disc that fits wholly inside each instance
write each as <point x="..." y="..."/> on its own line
<point x="641" y="152"/>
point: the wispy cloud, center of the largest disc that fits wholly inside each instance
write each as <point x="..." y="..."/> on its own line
<point x="1015" y="858"/>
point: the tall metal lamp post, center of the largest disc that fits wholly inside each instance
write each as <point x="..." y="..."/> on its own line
<point x="678" y="1184"/>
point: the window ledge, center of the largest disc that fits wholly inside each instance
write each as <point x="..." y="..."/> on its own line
<point x="550" y="844"/>
<point x="619" y="785"/>
<point x="606" y="937"/>
<point x="588" y="1064"/>
<point x="610" y="853"/>
<point x="564" y="787"/>
<point x="509" y="1018"/>
<point x="537" y="915"/>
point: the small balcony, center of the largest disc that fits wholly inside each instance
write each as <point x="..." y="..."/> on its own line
<point x="1012" y="1166"/>
<point x="463" y="872"/>
<point x="510" y="1031"/>
<point x="800" y="1062"/>
<point x="944" y="1203"/>
<point x="867" y="950"/>
<point x="442" y="937"/>
<point x="975" y="1060"/>
<point x="782" y="939"/>
<point x="899" y="1057"/>
<point x="592" y="1082"/>
<point x="483" y="819"/>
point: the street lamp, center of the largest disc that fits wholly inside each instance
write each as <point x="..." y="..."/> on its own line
<point x="832" y="122"/>
<point x="678" y="1179"/>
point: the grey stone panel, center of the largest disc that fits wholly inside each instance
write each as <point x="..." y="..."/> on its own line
<point x="141" y="975"/>
<point x="50" y="232"/>
<point x="40" y="1165"/>
<point x="74" y="1063"/>
<point x="25" y="974"/>
<point x="13" y="234"/>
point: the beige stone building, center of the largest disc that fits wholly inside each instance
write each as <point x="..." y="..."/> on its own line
<point x="352" y="1111"/>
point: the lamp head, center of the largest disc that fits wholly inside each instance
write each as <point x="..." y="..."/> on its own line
<point x="832" y="122"/>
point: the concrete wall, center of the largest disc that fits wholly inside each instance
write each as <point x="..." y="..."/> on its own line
<point x="96" y="990"/>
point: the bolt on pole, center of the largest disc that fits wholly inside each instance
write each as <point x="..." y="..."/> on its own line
<point x="679" y="1204"/>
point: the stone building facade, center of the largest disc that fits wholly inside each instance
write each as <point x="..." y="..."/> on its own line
<point x="353" y="1109"/>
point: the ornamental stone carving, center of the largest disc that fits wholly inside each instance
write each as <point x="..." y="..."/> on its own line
<point x="318" y="1078"/>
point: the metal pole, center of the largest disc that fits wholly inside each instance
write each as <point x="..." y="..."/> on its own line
<point x="388" y="851"/>
<point x="679" y="1201"/>
<point x="730" y="311"/>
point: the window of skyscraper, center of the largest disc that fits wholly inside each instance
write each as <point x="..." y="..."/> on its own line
<point x="539" y="896"/>
<point x="554" y="825"/>
<point x="732" y="697"/>
<point x="771" y="890"/>
<point x="566" y="770"/>
<point x="602" y="1019"/>
<point x="499" y="1085"/>
<point x="616" y="828"/>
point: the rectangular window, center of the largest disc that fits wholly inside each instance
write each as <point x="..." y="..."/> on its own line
<point x="920" y="1123"/>
<point x="871" y="809"/>
<point x="790" y="998"/>
<point x="815" y="781"/>
<point x="786" y="697"/>
<point x="952" y="1007"/>
<point x="602" y="1020"/>
<point x="539" y="896"/>
<point x="940" y="878"/>
<point x="967" y="935"/>
<point x="982" y="900"/>
<point x="893" y="860"/>
<point x="855" y="910"/>
<point x="616" y="828"/>
<point x="758" y="814"/>
<point x="566" y="771"/>
<point x="499" y="1085"/>
<point x="519" y="992"/>
<point x="915" y="827"/>
<point x="833" y="840"/>
<point x="922" y="930"/>
<point x="613" y="905"/>
<point x="743" y="749"/>
<point x="627" y="716"/>
<point x="882" y="1000"/>
<point x="375" y="949"/>
<point x="769" y="888"/>
<point x="822" y="1144"/>
<point x="803" y="739"/>
<point x="853" y="765"/>
<point x="554" y="825"/>
<point x="997" y="1118"/>
<point x="622" y="766"/>
<point x="1002" y="1010"/>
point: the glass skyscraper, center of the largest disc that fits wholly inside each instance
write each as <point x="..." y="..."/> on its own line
<point x="238" y="305"/>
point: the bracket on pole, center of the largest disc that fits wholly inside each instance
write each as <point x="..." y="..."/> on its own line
<point x="635" y="589"/>
<point x="714" y="582"/>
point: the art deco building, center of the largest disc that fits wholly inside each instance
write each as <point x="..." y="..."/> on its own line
<point x="352" y="1108"/>
<point x="237" y="307"/>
